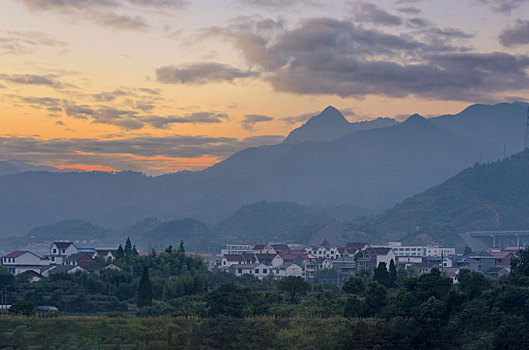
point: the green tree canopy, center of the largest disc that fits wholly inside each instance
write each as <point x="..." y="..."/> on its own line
<point x="294" y="286"/>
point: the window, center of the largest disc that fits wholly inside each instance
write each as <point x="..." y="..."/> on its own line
<point x="52" y="258"/>
<point x="372" y="256"/>
<point x="64" y="251"/>
<point x="256" y="270"/>
<point x="239" y="271"/>
<point x="223" y="263"/>
<point x="265" y="271"/>
<point x="54" y="251"/>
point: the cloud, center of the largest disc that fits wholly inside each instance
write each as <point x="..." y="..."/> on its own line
<point x="410" y="10"/>
<point x="326" y="56"/>
<point x="301" y="118"/>
<point x="201" y="73"/>
<point x="251" y="119"/>
<point x="108" y="13"/>
<point x="137" y="153"/>
<point x="32" y="79"/>
<point x="19" y="43"/>
<point x="193" y="118"/>
<point x="368" y="12"/>
<point x="517" y="35"/>
<point x="505" y="6"/>
<point x="107" y="96"/>
<point x="278" y="4"/>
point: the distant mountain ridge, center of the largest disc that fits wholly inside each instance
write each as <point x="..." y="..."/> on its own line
<point x="14" y="166"/>
<point x="372" y="169"/>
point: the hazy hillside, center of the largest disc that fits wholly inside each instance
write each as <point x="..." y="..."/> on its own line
<point x="503" y="123"/>
<point x="265" y="221"/>
<point x="14" y="166"/>
<point x="371" y="169"/>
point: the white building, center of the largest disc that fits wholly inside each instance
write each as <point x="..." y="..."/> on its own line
<point x="60" y="251"/>
<point x="401" y="250"/>
<point x="257" y="270"/>
<point x="289" y="269"/>
<point x="21" y="261"/>
<point x="237" y="249"/>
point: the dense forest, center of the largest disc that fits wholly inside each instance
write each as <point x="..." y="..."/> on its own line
<point x="170" y="300"/>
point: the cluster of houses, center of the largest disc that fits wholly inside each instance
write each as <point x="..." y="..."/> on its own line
<point x="275" y="260"/>
<point x="63" y="257"/>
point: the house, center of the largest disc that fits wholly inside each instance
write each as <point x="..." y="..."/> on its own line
<point x="275" y="248"/>
<point x="288" y="269"/>
<point x="258" y="248"/>
<point x="96" y="268"/>
<point x="345" y="265"/>
<point x="31" y="276"/>
<point x="269" y="259"/>
<point x="354" y="248"/>
<point x="497" y="271"/>
<point x="50" y="269"/>
<point x="249" y="258"/>
<point x="503" y="258"/>
<point x="61" y="250"/>
<point x="452" y="272"/>
<point x="18" y="262"/>
<point x="325" y="250"/>
<point x="407" y="261"/>
<point x="232" y="259"/>
<point x="236" y="249"/>
<point x="106" y="254"/>
<point x="80" y="259"/>
<point x="316" y="264"/>
<point x="257" y="270"/>
<point x="373" y="256"/>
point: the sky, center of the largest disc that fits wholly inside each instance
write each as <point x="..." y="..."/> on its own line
<point x="160" y="86"/>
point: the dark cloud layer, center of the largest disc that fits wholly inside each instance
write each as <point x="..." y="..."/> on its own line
<point x="330" y="56"/>
<point x="200" y="73"/>
<point x="517" y="35"/>
<point x="505" y="6"/>
<point x="32" y="79"/>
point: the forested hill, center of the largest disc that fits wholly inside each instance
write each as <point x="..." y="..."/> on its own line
<point x="484" y="197"/>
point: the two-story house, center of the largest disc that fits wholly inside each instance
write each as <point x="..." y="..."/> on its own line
<point x="21" y="261"/>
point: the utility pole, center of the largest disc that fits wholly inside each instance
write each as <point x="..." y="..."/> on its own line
<point x="526" y="144"/>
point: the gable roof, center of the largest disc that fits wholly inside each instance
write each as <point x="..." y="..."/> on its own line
<point x="266" y="256"/>
<point x="16" y="254"/>
<point x="248" y="256"/>
<point x="382" y="251"/>
<point x="233" y="257"/>
<point x="65" y="268"/>
<point x="281" y="247"/>
<point x="325" y="244"/>
<point x="106" y="251"/>
<point x="501" y="255"/>
<point x="63" y="245"/>
<point x="258" y="247"/>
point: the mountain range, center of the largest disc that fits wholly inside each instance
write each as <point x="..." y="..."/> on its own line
<point x="327" y="162"/>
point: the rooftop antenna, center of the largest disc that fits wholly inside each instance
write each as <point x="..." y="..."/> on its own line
<point x="526" y="144"/>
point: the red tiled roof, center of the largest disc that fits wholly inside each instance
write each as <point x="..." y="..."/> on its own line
<point x="500" y="255"/>
<point x="15" y="254"/>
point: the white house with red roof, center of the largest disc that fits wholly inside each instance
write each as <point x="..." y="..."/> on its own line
<point x="18" y="262"/>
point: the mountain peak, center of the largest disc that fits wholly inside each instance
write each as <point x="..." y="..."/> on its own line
<point x="416" y="120"/>
<point x="328" y="116"/>
<point x="327" y="125"/>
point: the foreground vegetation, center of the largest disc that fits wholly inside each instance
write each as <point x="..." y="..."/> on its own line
<point x="170" y="300"/>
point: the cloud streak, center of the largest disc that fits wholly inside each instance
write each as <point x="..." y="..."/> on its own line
<point x="201" y="73"/>
<point x="251" y="119"/>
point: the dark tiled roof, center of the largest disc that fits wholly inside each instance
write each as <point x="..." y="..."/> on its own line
<point x="258" y="246"/>
<point x="233" y="257"/>
<point x="63" y="268"/>
<point x="62" y="245"/>
<point x="78" y="256"/>
<point x="352" y="247"/>
<point x="382" y="251"/>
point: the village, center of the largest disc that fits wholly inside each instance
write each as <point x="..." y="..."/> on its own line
<point x="332" y="262"/>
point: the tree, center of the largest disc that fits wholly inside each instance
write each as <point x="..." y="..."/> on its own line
<point x="182" y="249"/>
<point x="120" y="253"/>
<point x="135" y="251"/>
<point x="25" y="308"/>
<point x="354" y="285"/>
<point x="376" y="296"/>
<point x="228" y="300"/>
<point x="392" y="275"/>
<point x="169" y="249"/>
<point x="381" y="274"/>
<point x="6" y="278"/>
<point x="467" y="251"/>
<point x="294" y="286"/>
<point x="128" y="246"/>
<point x="144" y="289"/>
<point x="354" y="307"/>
